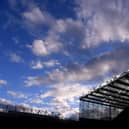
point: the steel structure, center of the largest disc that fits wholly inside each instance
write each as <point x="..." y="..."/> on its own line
<point x="111" y="98"/>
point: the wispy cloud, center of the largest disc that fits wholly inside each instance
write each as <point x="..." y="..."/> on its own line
<point x="37" y="65"/>
<point x="37" y="100"/>
<point x="16" y="94"/>
<point x="44" y="47"/>
<point x="109" y="16"/>
<point x="97" y="69"/>
<point x="60" y="90"/>
<point x="5" y="101"/>
<point x="63" y="96"/>
<point x="38" y="48"/>
<point x="41" y="64"/>
<point x="36" y="16"/>
<point x="33" y="81"/>
<point x="3" y="82"/>
<point x="16" y="58"/>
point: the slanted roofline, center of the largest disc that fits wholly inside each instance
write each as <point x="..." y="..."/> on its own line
<point x="114" y="93"/>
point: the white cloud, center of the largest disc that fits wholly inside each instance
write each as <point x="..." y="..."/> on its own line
<point x="16" y="58"/>
<point x="35" y="19"/>
<point x="65" y="112"/>
<point x="64" y="91"/>
<point x="63" y="96"/>
<point x="53" y="43"/>
<point x="5" y="101"/>
<point x="96" y="69"/>
<point x="104" y="23"/>
<point x="51" y="63"/>
<point x="36" y="101"/>
<point x="41" y="64"/>
<point x="65" y="33"/>
<point x="36" y="16"/>
<point x="45" y="47"/>
<point x="83" y="74"/>
<point x="38" y="48"/>
<point x="17" y="94"/>
<point x="68" y="25"/>
<point x="37" y="65"/>
<point x="59" y="37"/>
<point x="3" y="82"/>
<point x="33" y="80"/>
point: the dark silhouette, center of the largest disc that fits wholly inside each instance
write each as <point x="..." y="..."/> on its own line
<point x="21" y="120"/>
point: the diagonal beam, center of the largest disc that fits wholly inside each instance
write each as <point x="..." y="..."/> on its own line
<point x="114" y="92"/>
<point x="113" y="95"/>
<point x="107" y="101"/>
<point x="110" y="99"/>
<point x="119" y="88"/>
<point x="101" y="103"/>
<point x="127" y="76"/>
<point x="122" y="82"/>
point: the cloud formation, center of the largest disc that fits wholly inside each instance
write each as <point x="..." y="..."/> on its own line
<point x="36" y="16"/>
<point x="16" y="58"/>
<point x="40" y="64"/>
<point x="33" y="80"/>
<point x="99" y="68"/>
<point x="62" y="91"/>
<point x="45" y="47"/>
<point x="3" y="82"/>
<point x="17" y="94"/>
<point x="5" y="101"/>
<point x="104" y="23"/>
<point x="65" y="95"/>
<point x="38" y="48"/>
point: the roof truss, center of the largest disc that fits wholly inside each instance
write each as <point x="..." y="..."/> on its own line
<point x="115" y="93"/>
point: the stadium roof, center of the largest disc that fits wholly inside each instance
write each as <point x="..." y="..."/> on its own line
<point x="113" y="93"/>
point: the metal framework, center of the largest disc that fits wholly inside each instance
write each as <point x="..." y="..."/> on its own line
<point x="114" y="93"/>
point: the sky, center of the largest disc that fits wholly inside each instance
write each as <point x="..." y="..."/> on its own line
<point x="54" y="51"/>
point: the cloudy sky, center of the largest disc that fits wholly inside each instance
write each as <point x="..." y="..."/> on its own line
<point x="53" y="51"/>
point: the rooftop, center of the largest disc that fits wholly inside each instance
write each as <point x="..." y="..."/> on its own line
<point x="114" y="93"/>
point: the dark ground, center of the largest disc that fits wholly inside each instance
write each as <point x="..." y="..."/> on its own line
<point x="17" y="120"/>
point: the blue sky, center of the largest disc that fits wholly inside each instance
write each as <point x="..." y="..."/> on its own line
<point x="53" y="51"/>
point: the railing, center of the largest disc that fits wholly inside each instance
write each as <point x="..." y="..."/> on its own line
<point x="20" y="108"/>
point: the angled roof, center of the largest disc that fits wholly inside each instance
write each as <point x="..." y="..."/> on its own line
<point x="113" y="93"/>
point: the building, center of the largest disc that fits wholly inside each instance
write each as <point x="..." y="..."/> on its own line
<point x="108" y="100"/>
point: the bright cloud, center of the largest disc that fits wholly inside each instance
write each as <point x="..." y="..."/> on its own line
<point x="64" y="95"/>
<point x="40" y="64"/>
<point x="5" y="101"/>
<point x="3" y="82"/>
<point x="16" y="58"/>
<point x="36" y="101"/>
<point x="37" y="65"/>
<point x="34" y="16"/>
<point x="37" y="17"/>
<point x="33" y="80"/>
<point x="45" y="47"/>
<point x="38" y="48"/>
<point x="66" y="91"/>
<point x="17" y="94"/>
<point x="97" y="69"/>
<point x="104" y="23"/>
